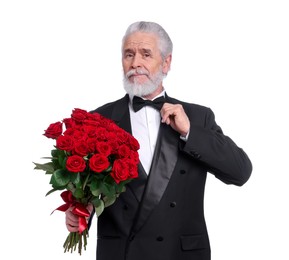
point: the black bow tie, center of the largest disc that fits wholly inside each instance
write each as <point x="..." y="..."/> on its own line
<point x="138" y="103"/>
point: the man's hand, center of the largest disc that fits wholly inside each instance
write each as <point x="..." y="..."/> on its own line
<point x="71" y="220"/>
<point x="175" y="116"/>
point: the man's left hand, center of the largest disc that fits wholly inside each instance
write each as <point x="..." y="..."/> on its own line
<point x="175" y="116"/>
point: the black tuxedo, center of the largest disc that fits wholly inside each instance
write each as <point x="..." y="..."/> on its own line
<point x="160" y="216"/>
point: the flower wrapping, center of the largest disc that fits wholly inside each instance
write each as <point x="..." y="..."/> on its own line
<point x="92" y="161"/>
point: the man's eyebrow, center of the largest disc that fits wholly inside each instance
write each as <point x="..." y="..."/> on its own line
<point x="146" y="50"/>
<point x="132" y="50"/>
<point x="128" y="50"/>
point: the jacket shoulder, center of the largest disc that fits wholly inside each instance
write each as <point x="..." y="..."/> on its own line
<point x="189" y="107"/>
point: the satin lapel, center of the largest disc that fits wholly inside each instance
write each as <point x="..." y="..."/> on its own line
<point x="163" y="164"/>
<point x="120" y="115"/>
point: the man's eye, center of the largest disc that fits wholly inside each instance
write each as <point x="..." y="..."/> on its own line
<point x="128" y="55"/>
<point x="146" y="54"/>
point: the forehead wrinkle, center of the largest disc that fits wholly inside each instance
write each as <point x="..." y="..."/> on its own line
<point x="137" y="43"/>
<point x="140" y="46"/>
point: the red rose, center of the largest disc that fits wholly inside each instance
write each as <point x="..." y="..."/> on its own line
<point x="111" y="136"/>
<point x="98" y="163"/>
<point x="122" y="136"/>
<point x="79" y="135"/>
<point x="101" y="133"/>
<point x="120" y="170"/>
<point x="81" y="148"/>
<point x="54" y="130"/>
<point x="90" y="130"/>
<point x="105" y="122"/>
<point x="75" y="163"/>
<point x="69" y="131"/>
<point x="103" y="148"/>
<point x="79" y="115"/>
<point x="134" y="156"/>
<point x="113" y="144"/>
<point x="65" y="143"/>
<point x="91" y="142"/>
<point x="133" y="169"/>
<point x="68" y="122"/>
<point x="95" y="116"/>
<point x="90" y="123"/>
<point x="123" y="151"/>
<point x="112" y="126"/>
<point x="133" y="143"/>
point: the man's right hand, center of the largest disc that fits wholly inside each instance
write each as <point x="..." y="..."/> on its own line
<point x="71" y="220"/>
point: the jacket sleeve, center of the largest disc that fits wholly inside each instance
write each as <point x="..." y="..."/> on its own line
<point x="216" y="151"/>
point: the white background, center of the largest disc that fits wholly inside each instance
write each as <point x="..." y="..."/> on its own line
<point x="231" y="56"/>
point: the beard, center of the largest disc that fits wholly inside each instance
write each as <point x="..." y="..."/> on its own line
<point x="143" y="89"/>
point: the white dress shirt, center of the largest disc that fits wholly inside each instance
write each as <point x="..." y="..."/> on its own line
<point x="145" y="125"/>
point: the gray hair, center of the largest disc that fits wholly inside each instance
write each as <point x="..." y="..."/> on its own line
<point x="164" y="40"/>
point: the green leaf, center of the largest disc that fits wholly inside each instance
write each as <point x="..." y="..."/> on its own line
<point x="60" y="178"/>
<point x="108" y="188"/>
<point x="59" y="158"/>
<point x="109" y="200"/>
<point x="95" y="187"/>
<point x="70" y="186"/>
<point x="105" y="189"/>
<point x="95" y="201"/>
<point x="120" y="189"/>
<point x="50" y="158"/>
<point x="98" y="205"/>
<point x="77" y="181"/>
<point x="78" y="193"/>
<point x="49" y="192"/>
<point x="62" y="158"/>
<point x="54" y="153"/>
<point x="48" y="167"/>
<point x="96" y="192"/>
<point x="73" y="177"/>
<point x="121" y="186"/>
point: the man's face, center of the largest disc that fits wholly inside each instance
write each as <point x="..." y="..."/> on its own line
<point x="142" y="63"/>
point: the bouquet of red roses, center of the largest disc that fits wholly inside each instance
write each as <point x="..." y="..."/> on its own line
<point x="92" y="161"/>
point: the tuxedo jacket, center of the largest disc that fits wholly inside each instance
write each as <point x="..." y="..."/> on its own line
<point x="160" y="216"/>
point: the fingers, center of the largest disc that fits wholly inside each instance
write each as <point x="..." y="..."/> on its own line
<point x="71" y="221"/>
<point x="169" y="111"/>
<point x="175" y="116"/>
<point x="90" y="207"/>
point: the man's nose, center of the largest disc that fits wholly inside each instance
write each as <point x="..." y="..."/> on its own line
<point x="136" y="62"/>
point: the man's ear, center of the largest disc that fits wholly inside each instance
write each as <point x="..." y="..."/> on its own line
<point x="167" y="64"/>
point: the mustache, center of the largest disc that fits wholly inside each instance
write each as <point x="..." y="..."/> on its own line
<point x="137" y="71"/>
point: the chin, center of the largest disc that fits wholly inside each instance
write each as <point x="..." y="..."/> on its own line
<point x="140" y="90"/>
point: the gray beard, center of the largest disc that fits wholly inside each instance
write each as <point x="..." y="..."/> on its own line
<point x="135" y="89"/>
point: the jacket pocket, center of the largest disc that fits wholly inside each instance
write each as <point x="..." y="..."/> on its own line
<point x="194" y="242"/>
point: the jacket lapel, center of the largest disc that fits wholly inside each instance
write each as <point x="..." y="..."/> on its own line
<point x="163" y="164"/>
<point x="122" y="118"/>
<point x="149" y="190"/>
<point x="120" y="114"/>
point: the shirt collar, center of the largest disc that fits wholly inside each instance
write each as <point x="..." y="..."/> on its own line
<point x="159" y="95"/>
